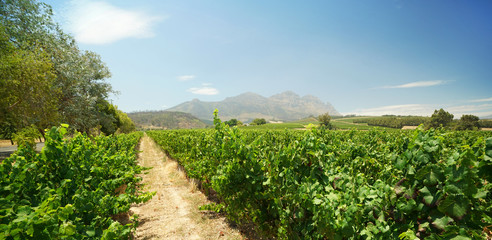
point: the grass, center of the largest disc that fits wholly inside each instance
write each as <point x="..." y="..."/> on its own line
<point x="339" y="123"/>
<point x="288" y="125"/>
<point x="348" y="123"/>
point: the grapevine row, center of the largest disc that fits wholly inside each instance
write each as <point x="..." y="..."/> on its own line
<point x="319" y="184"/>
<point x="73" y="189"/>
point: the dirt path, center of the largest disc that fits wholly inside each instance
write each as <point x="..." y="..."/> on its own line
<point x="173" y="212"/>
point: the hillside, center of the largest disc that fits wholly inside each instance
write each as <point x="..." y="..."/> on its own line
<point x="286" y="106"/>
<point x="165" y="120"/>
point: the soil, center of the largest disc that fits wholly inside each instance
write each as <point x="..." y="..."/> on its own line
<point x="173" y="212"/>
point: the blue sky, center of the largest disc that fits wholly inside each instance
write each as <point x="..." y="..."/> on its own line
<point x="364" y="57"/>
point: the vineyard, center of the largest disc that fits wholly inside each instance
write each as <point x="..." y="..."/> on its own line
<point x="73" y="189"/>
<point x="319" y="184"/>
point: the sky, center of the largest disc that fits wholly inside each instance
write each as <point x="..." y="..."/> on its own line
<point x="363" y="57"/>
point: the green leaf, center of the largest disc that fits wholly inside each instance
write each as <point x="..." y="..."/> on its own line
<point x="30" y="230"/>
<point x="400" y="163"/>
<point x="91" y="232"/>
<point x="408" y="235"/>
<point x="455" y="206"/>
<point x="442" y="222"/>
<point x="488" y="149"/>
<point x="409" y="206"/>
<point x="452" y="189"/>
<point x="332" y="196"/>
<point x="480" y="194"/>
<point x="459" y="237"/>
<point x="67" y="228"/>
<point x="424" y="226"/>
<point x="428" y="196"/>
<point x="432" y="175"/>
<point x="431" y="149"/>
<point x="410" y="170"/>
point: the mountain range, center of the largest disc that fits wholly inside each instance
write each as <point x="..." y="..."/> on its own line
<point x="286" y="106"/>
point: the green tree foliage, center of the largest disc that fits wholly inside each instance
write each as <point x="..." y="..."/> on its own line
<point x="58" y="82"/>
<point x="126" y="124"/>
<point x="108" y="117"/>
<point x="468" y="122"/>
<point x="26" y="88"/>
<point x="440" y="118"/>
<point x="233" y="122"/>
<point x="258" y="121"/>
<point x="485" y="123"/>
<point x="324" y="121"/>
<point x="84" y="96"/>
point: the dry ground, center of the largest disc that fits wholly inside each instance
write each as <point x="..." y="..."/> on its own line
<point x="5" y="143"/>
<point x="173" y="212"/>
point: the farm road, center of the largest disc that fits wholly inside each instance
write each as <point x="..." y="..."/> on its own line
<point x="7" y="150"/>
<point x="173" y="212"/>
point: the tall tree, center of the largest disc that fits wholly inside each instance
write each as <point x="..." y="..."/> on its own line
<point x="126" y="124"/>
<point x="468" y="122"/>
<point x="79" y="77"/>
<point x="233" y="122"/>
<point x="440" y="118"/>
<point x="26" y="87"/>
<point x="324" y="121"/>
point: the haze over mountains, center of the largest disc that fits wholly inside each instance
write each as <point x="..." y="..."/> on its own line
<point x="286" y="106"/>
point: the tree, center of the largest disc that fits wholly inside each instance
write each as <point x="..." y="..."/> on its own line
<point x="81" y="76"/>
<point x="440" y="118"/>
<point x="27" y="96"/>
<point x="468" y="122"/>
<point x="108" y="117"/>
<point x="36" y="50"/>
<point x="324" y="121"/>
<point x="233" y="122"/>
<point x="126" y="123"/>
<point x="258" y="121"/>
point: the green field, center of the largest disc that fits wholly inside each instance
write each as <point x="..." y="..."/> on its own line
<point x="288" y="125"/>
<point x="339" y="123"/>
<point x="348" y="123"/>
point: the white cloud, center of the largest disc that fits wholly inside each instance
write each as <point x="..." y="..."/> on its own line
<point x="203" y="90"/>
<point x="405" y="109"/>
<point x="185" y="78"/>
<point x="481" y="100"/>
<point x="96" y="22"/>
<point x="478" y="110"/>
<point x="481" y="110"/>
<point x="418" y="84"/>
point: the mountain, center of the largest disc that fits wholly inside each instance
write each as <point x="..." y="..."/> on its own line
<point x="165" y="120"/>
<point x="286" y="106"/>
